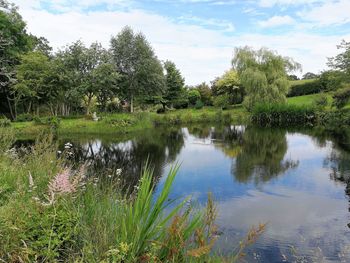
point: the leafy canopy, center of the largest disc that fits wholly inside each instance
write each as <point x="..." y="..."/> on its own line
<point x="264" y="74"/>
<point x="174" y="82"/>
<point x="141" y="71"/>
<point x="341" y="62"/>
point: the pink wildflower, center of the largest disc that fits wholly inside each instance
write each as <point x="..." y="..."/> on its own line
<point x="61" y="183"/>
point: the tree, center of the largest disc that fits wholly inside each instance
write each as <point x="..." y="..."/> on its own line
<point x="42" y="44"/>
<point x="90" y="61"/>
<point x="263" y="73"/>
<point x="205" y="93"/>
<point x="174" y="82"/>
<point x="331" y="80"/>
<point x="106" y="83"/>
<point x="141" y="72"/>
<point x="79" y="67"/>
<point x="229" y="84"/>
<point x="34" y="80"/>
<point x="193" y="95"/>
<point x="293" y="77"/>
<point x="341" y="61"/>
<point x="14" y="41"/>
<point x="310" y="75"/>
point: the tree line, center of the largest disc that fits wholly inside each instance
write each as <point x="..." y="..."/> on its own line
<point x="79" y="79"/>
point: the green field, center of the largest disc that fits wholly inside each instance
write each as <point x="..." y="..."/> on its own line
<point x="301" y="81"/>
<point x="307" y="99"/>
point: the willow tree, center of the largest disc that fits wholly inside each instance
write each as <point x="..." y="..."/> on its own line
<point x="141" y="71"/>
<point x="264" y="75"/>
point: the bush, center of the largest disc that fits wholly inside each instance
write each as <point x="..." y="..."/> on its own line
<point x="180" y="103"/>
<point x="305" y="87"/>
<point x="199" y="105"/>
<point x="193" y="96"/>
<point x="331" y="80"/>
<point x="5" y="122"/>
<point x="24" y="117"/>
<point x="222" y="101"/>
<point x="283" y="114"/>
<point x="52" y="121"/>
<point x="341" y="97"/>
<point x="321" y="101"/>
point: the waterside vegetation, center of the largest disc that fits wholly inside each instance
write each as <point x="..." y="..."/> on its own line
<point x="51" y="211"/>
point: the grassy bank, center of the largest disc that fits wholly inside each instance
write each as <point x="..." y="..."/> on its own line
<point x="120" y="123"/>
<point x="124" y="123"/>
<point x="52" y="212"/>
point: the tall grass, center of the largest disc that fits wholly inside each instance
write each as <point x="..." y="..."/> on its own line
<point x="84" y="220"/>
<point x="283" y="114"/>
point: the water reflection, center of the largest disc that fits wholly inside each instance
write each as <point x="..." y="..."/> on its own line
<point x="295" y="180"/>
<point x="158" y="147"/>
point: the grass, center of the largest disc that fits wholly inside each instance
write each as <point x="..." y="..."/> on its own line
<point x="301" y="81"/>
<point x="307" y="100"/>
<point x="123" y="123"/>
<point x="50" y="212"/>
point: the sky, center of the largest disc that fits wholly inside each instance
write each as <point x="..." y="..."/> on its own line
<point x="200" y="35"/>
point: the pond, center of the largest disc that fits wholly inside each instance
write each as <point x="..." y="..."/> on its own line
<point x="291" y="179"/>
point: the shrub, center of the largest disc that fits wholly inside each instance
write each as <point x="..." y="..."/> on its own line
<point x="193" y="96"/>
<point x="222" y="101"/>
<point x="321" y="101"/>
<point x="120" y="122"/>
<point x="52" y="121"/>
<point x="331" y="80"/>
<point x="180" y="103"/>
<point x="24" y="117"/>
<point x="199" y="105"/>
<point x="5" y="122"/>
<point x="341" y="97"/>
<point x="282" y="114"/>
<point x="305" y="87"/>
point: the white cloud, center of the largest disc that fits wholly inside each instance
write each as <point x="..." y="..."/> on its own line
<point x="271" y="3"/>
<point x="277" y="21"/>
<point x="221" y="24"/>
<point x="68" y="5"/>
<point x="329" y="13"/>
<point x="200" y="53"/>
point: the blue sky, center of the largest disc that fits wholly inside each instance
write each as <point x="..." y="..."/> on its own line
<point x="200" y="35"/>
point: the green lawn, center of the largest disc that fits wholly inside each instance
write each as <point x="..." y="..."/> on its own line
<point x="307" y="99"/>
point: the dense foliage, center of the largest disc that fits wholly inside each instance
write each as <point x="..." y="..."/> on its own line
<point x="341" y="97"/>
<point x="283" y="114"/>
<point x="141" y="71"/>
<point x="229" y="85"/>
<point x="305" y="87"/>
<point x="263" y="73"/>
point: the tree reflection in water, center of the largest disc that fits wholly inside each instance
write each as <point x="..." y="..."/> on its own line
<point x="262" y="156"/>
<point x="159" y="147"/>
<point x="258" y="154"/>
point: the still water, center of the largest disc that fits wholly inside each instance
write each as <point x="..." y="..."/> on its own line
<point x="293" y="180"/>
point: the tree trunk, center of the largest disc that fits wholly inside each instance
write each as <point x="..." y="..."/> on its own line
<point x="10" y="108"/>
<point x="29" y="107"/>
<point x="88" y="106"/>
<point x="132" y="103"/>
